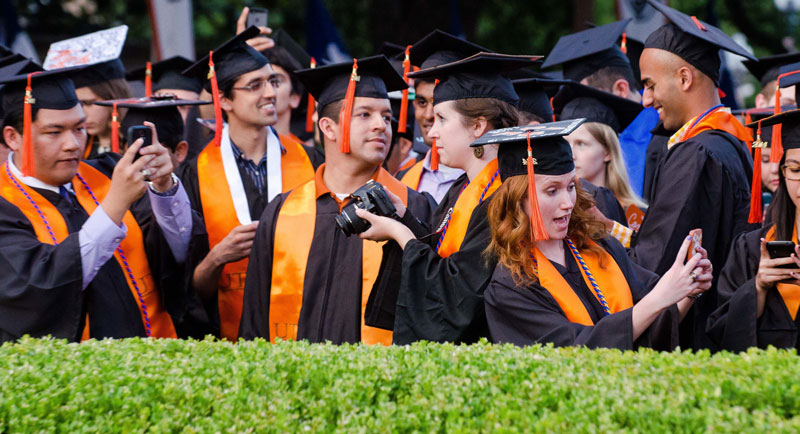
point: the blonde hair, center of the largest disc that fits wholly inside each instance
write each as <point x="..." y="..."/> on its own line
<point x="616" y="176"/>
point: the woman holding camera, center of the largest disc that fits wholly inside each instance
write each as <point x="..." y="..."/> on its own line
<point x="758" y="295"/>
<point x="439" y="278"/>
<point x="559" y="279"/>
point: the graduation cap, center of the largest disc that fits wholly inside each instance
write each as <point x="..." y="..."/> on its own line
<point x="530" y="150"/>
<point x="585" y="52"/>
<point x="166" y="74"/>
<point x="99" y="51"/>
<point x="5" y="51"/>
<point x="693" y="40"/>
<point x="370" y="77"/>
<point x="576" y="100"/>
<point x="224" y="65"/>
<point x="391" y="50"/>
<point x="766" y="69"/>
<point x="535" y="95"/>
<point x="439" y="47"/>
<point x="633" y="49"/>
<point x="284" y="42"/>
<point x="788" y="75"/>
<point x="51" y="89"/>
<point x="161" y="111"/>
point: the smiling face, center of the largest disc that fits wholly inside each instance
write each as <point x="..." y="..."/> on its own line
<point x="256" y="106"/>
<point x="423" y="108"/>
<point x="556" y="195"/>
<point x="662" y="89"/>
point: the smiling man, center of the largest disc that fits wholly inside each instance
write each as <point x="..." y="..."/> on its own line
<point x="703" y="180"/>
<point x="239" y="172"/>
<point x="84" y="253"/>
<point x="306" y="279"/>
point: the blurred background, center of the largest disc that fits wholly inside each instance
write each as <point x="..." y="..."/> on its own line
<point x="334" y="30"/>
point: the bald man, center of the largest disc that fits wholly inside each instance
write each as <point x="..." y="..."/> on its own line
<point x="702" y="181"/>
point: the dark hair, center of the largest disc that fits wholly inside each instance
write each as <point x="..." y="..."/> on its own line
<point x="499" y="114"/>
<point x="526" y="118"/>
<point x="782" y="208"/>
<point x="279" y="56"/>
<point x="604" y="78"/>
<point x="116" y="88"/>
<point x="14" y="118"/>
<point x="330" y="111"/>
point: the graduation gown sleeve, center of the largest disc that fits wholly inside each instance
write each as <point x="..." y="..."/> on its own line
<point x="527" y="315"/>
<point x="606" y="202"/>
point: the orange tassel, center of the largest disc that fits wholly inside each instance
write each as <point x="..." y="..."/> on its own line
<point x="699" y="24"/>
<point x="311" y="105"/>
<point x="148" y="80"/>
<point x="347" y="108"/>
<point x="747" y="121"/>
<point x="776" y="147"/>
<point x="756" y="211"/>
<point x="434" y="156"/>
<point x="115" y="129"/>
<point x="538" y="232"/>
<point x="553" y="109"/>
<point x="27" y="139"/>
<point x="212" y="75"/>
<point x="403" y="118"/>
<point x="624" y="44"/>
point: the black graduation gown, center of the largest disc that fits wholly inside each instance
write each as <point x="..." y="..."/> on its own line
<point x="530" y="315"/>
<point x="703" y="182"/>
<point x="40" y="287"/>
<point x="734" y="326"/>
<point x="331" y="309"/>
<point x="655" y="150"/>
<point x="606" y="202"/>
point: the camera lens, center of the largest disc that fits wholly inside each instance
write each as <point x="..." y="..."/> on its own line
<point x="349" y="222"/>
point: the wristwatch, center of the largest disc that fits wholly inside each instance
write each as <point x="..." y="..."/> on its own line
<point x="169" y="192"/>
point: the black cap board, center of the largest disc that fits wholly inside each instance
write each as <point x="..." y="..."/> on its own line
<point x="232" y="59"/>
<point x="390" y="50"/>
<point x="284" y="40"/>
<point x="766" y="69"/>
<point x="575" y="101"/>
<point x="693" y="40"/>
<point x="329" y="83"/>
<point x="535" y="93"/>
<point x="166" y="74"/>
<point x="792" y="76"/>
<point x="790" y="127"/>
<point x="551" y="152"/>
<point x="51" y="89"/>
<point x="438" y="48"/>
<point x="477" y="76"/>
<point x="98" y="52"/>
<point x="587" y="51"/>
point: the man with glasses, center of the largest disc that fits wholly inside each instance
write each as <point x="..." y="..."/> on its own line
<point x="246" y="165"/>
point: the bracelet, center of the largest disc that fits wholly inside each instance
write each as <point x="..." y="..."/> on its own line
<point x="169" y="192"/>
<point x="695" y="297"/>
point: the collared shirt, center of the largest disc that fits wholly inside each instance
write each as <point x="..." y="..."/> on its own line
<point x="436" y="183"/>
<point x="322" y="189"/>
<point x="257" y="172"/>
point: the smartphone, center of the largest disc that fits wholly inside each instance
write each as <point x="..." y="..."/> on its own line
<point x="257" y="17"/>
<point x="140" y="131"/>
<point x="781" y="249"/>
<point x="697" y="242"/>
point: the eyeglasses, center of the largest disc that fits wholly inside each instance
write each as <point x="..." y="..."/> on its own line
<point x="791" y="172"/>
<point x="258" y="86"/>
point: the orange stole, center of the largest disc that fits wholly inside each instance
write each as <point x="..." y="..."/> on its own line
<point x="610" y="279"/>
<point x="466" y="203"/>
<point x="220" y="218"/>
<point x="133" y="244"/>
<point x="789" y="293"/>
<point x="294" y="234"/>
<point x="412" y="178"/>
<point x="720" y="120"/>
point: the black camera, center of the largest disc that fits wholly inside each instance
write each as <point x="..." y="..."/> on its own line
<point x="371" y="197"/>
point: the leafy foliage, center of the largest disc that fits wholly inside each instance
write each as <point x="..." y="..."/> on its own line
<point x="208" y="386"/>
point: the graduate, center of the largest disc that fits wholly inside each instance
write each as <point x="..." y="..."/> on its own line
<point x="165" y="79"/>
<point x="441" y="276"/>
<point x="703" y="179"/>
<point x="436" y="48"/>
<point x="90" y="250"/>
<point x="759" y="296"/>
<point x="306" y="278"/>
<point x="766" y="70"/>
<point x="246" y="165"/>
<point x="535" y="108"/>
<point x="560" y="280"/>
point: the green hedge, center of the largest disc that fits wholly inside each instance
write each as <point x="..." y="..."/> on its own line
<point x="206" y="386"/>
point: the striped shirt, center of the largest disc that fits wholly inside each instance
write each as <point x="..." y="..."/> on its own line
<point x="257" y="172"/>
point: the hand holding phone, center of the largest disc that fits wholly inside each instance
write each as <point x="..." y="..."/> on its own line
<point x="781" y="249"/>
<point x="697" y="242"/>
<point x="140" y="131"/>
<point x="257" y="17"/>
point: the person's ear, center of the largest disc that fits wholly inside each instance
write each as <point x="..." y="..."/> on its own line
<point x="329" y="129"/>
<point x="621" y="88"/>
<point x="686" y="78"/>
<point x="12" y="138"/>
<point x="225" y="103"/>
<point x="479" y="126"/>
<point x="762" y="101"/>
<point x="294" y="100"/>
<point x="181" y="150"/>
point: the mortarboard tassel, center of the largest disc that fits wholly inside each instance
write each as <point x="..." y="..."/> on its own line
<point x="553" y="109"/>
<point x="115" y="129"/>
<point x="747" y="121"/>
<point x="311" y="105"/>
<point x="756" y="211"/>
<point x="347" y="108"/>
<point x="699" y="24"/>
<point x="434" y="149"/>
<point x="27" y="121"/>
<point x="212" y="76"/>
<point x="538" y="232"/>
<point x="148" y="80"/>
<point x="624" y="44"/>
<point x="403" y="117"/>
